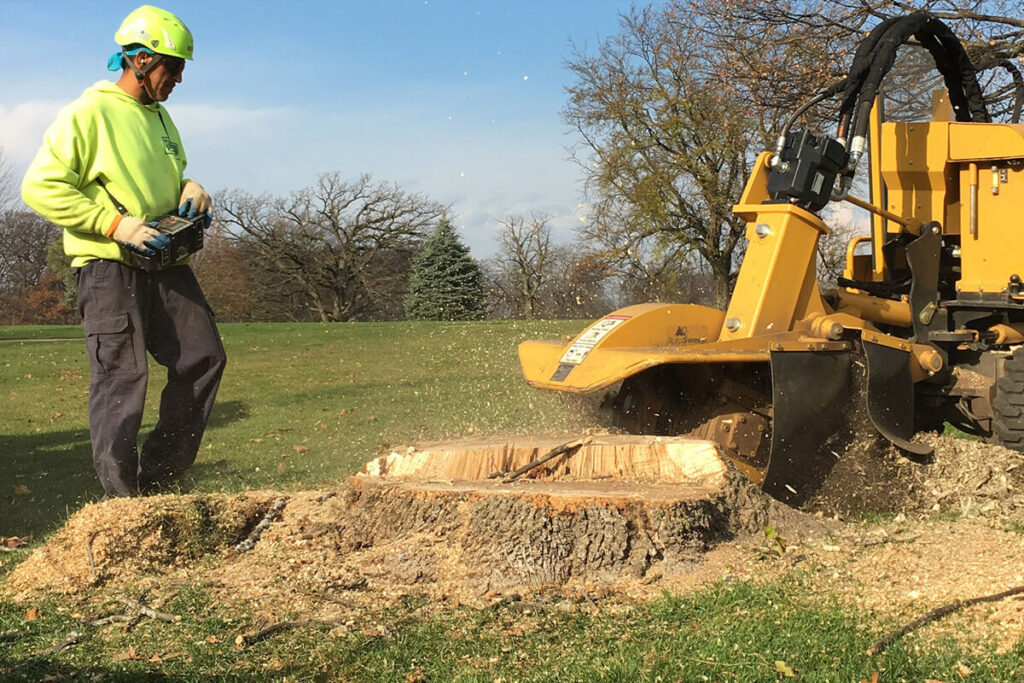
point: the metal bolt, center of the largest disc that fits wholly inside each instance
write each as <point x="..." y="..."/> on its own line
<point x="762" y="230"/>
<point x="732" y="324"/>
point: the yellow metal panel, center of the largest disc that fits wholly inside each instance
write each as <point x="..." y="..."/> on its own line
<point x="776" y="284"/>
<point x="989" y="255"/>
<point x="920" y="182"/>
<point x="986" y="141"/>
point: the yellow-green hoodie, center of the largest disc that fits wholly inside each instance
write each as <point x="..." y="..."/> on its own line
<point x="105" y="134"/>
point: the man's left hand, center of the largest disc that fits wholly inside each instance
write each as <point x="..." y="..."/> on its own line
<point x="194" y="200"/>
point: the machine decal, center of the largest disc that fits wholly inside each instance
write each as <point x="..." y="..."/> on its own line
<point x="575" y="354"/>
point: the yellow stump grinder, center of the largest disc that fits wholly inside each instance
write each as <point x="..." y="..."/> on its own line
<point x="925" y="326"/>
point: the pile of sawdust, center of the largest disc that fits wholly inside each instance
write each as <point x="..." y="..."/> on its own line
<point x="904" y="569"/>
<point x="379" y="538"/>
<point x="969" y="478"/>
<point x="121" y="539"/>
<point x="335" y="554"/>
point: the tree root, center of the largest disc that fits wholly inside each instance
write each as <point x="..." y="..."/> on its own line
<point x="938" y="613"/>
<point x="247" y="639"/>
<point x="254" y="536"/>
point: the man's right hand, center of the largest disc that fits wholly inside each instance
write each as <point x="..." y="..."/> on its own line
<point x="140" y="235"/>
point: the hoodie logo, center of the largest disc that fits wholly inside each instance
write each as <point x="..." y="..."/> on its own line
<point x="171" y="147"/>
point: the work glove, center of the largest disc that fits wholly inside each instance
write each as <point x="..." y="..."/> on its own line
<point x="140" y="235"/>
<point x="195" y="201"/>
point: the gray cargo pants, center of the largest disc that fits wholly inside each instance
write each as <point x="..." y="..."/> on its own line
<point x="127" y="312"/>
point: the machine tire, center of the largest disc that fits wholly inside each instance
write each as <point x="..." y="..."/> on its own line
<point x="1008" y="403"/>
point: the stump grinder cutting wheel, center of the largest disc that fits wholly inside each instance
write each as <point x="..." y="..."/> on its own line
<point x="925" y="326"/>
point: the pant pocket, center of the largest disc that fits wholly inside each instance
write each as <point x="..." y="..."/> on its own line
<point x="110" y="344"/>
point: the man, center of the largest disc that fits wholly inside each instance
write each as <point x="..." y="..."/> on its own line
<point x="111" y="163"/>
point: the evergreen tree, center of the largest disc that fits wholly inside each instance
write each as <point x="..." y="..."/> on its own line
<point x="446" y="282"/>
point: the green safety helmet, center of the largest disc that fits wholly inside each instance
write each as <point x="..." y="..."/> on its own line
<point x="156" y="29"/>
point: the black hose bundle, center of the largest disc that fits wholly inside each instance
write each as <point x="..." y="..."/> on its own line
<point x="805" y="167"/>
<point x="876" y="55"/>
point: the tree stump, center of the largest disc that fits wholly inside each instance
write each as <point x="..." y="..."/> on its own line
<point x="617" y="504"/>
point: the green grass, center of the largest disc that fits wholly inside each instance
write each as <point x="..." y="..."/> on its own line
<point x="300" y="405"/>
<point x="735" y="631"/>
<point x="341" y="393"/>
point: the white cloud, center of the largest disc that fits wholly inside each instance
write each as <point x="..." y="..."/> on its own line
<point x="208" y="119"/>
<point x="22" y="126"/>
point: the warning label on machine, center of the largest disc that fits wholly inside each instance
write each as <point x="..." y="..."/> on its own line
<point x="590" y="338"/>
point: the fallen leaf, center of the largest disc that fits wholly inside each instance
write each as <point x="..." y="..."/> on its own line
<point x="300" y="449"/>
<point x="962" y="669"/>
<point x="21" y="490"/>
<point x="212" y="639"/>
<point x="784" y="669"/>
<point x="31" y="614"/>
<point x="14" y="541"/>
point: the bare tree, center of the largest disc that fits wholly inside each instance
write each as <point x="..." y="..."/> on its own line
<point x="31" y="292"/>
<point x="520" y="268"/>
<point x="806" y="45"/>
<point x="339" y="250"/>
<point x="578" y="284"/>
<point x="25" y="237"/>
<point x="665" y="152"/>
<point x="8" y="183"/>
<point x="226" y="276"/>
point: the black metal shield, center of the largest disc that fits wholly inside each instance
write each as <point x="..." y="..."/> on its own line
<point x="810" y="397"/>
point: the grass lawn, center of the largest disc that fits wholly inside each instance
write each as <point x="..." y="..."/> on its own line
<point x="303" y="404"/>
<point x="299" y="404"/>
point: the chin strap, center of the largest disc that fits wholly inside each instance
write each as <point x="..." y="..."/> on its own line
<point x="142" y="74"/>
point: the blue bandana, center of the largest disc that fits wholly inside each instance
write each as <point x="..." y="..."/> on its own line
<point x="114" y="63"/>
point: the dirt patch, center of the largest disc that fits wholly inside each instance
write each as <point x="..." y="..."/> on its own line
<point x="969" y="478"/>
<point x="335" y="554"/>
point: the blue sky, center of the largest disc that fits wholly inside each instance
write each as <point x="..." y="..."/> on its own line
<point x="455" y="99"/>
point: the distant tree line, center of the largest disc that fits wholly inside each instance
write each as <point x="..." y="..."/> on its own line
<point x="669" y="115"/>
